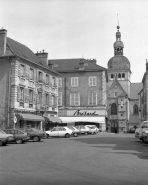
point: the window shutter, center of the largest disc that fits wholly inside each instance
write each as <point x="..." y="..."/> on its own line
<point x="37" y="99"/>
<point x="18" y="93"/>
<point x="19" y="70"/>
<point x="43" y="99"/>
<point x="34" y="97"/>
<point x="35" y="75"/>
<point x="50" y="100"/>
<point x="27" y="72"/>
<point x="56" y="101"/>
<point x="44" y="78"/>
<point x="26" y="98"/>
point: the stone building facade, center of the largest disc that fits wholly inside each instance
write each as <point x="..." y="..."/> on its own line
<point x="28" y="85"/>
<point x="82" y="91"/>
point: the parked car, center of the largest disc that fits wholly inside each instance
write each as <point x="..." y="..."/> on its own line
<point x="137" y="133"/>
<point x="145" y="136"/>
<point x="59" y="132"/>
<point x="75" y="131"/>
<point x="143" y="127"/>
<point x="4" y="138"/>
<point x="84" y="129"/>
<point x="18" y="135"/>
<point x="131" y="130"/>
<point x="93" y="129"/>
<point x="34" y="134"/>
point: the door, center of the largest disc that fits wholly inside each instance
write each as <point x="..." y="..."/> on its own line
<point x="62" y="131"/>
<point x="54" y="132"/>
<point x="114" y="126"/>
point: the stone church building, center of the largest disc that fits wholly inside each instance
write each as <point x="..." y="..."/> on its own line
<point x="122" y="95"/>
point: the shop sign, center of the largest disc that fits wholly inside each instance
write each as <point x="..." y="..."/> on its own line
<point x="82" y="113"/>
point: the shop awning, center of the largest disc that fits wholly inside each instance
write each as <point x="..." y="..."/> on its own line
<point x="53" y="119"/>
<point x="31" y="117"/>
<point x="83" y="119"/>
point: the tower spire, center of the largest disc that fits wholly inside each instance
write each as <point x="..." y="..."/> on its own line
<point x="118" y="22"/>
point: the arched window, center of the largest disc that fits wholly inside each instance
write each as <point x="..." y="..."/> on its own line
<point x="112" y="76"/>
<point x="113" y="109"/>
<point x="135" y="109"/>
<point x="123" y="75"/>
<point x="119" y="75"/>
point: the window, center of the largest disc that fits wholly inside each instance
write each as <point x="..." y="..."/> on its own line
<point x="22" y="70"/>
<point x="123" y="75"/>
<point x="53" y="100"/>
<point x="112" y="76"/>
<point x="40" y="76"/>
<point x="47" y="79"/>
<point x="115" y="94"/>
<point x="92" y="98"/>
<point x="135" y="109"/>
<point x="75" y="99"/>
<point x="92" y="81"/>
<point x="74" y="81"/>
<point x="21" y="94"/>
<point x="31" y="74"/>
<point x="145" y="125"/>
<point x="53" y="80"/>
<point x="119" y="75"/>
<point x="113" y="109"/>
<point x="60" y="99"/>
<point x="59" y="82"/>
<point x="30" y="96"/>
<point x="40" y="98"/>
<point x="47" y="99"/>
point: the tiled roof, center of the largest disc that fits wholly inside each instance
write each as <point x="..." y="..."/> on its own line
<point x="135" y="89"/>
<point x="23" y="51"/>
<point x="62" y="65"/>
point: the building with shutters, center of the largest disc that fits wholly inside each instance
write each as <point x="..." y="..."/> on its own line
<point x="28" y="86"/>
<point x="82" y="92"/>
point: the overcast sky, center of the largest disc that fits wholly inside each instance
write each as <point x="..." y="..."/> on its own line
<point x="80" y="28"/>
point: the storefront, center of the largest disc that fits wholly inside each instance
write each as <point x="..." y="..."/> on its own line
<point x="51" y="122"/>
<point x="84" y="117"/>
<point x="29" y="120"/>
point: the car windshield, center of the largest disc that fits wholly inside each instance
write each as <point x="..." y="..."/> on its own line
<point x="71" y="128"/>
<point x="140" y="124"/>
<point x="2" y="132"/>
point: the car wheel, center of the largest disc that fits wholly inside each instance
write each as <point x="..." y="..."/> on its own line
<point x="67" y="135"/>
<point x="36" y="139"/>
<point x="1" y="143"/>
<point x="47" y="136"/>
<point x="75" y="135"/>
<point x="19" y="141"/>
<point x="4" y="144"/>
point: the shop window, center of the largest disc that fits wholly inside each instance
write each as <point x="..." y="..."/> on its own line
<point x="135" y="109"/>
<point x="92" y="81"/>
<point x="92" y="98"/>
<point x="113" y="109"/>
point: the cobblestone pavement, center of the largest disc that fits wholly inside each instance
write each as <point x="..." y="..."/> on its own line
<point x="105" y="158"/>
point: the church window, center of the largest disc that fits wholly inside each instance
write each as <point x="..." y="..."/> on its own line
<point x="113" y="109"/>
<point x="123" y="75"/>
<point x="119" y="75"/>
<point x="112" y="76"/>
<point x="135" y="109"/>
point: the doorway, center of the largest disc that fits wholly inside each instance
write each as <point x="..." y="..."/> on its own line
<point x="114" y="126"/>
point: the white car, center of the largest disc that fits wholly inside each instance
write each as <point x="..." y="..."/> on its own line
<point x="4" y="138"/>
<point x="59" y="132"/>
<point x="83" y="129"/>
<point x="75" y="131"/>
<point x="94" y="128"/>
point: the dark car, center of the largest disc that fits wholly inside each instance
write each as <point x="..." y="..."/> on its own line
<point x="35" y="134"/>
<point x="18" y="135"/>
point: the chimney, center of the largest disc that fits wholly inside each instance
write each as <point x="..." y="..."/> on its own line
<point x="146" y="65"/>
<point x="3" y="38"/>
<point x="50" y="64"/>
<point x="43" y="56"/>
<point x="94" y="61"/>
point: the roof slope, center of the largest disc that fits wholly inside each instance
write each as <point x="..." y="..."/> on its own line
<point x="135" y="88"/>
<point x="23" y="51"/>
<point x="75" y="64"/>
